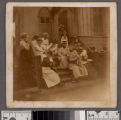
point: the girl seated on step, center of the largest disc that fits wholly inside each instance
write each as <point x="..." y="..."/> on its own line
<point x="77" y="68"/>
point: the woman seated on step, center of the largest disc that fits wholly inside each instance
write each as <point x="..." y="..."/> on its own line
<point x="83" y="60"/>
<point x="50" y="77"/>
<point x="75" y="65"/>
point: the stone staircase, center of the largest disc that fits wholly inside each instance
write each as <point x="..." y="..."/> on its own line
<point x="65" y="75"/>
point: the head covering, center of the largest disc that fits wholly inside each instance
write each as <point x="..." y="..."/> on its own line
<point x="23" y="35"/>
<point x="35" y="37"/>
<point x="39" y="39"/>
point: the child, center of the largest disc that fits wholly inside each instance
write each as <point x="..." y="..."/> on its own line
<point x="73" y="63"/>
<point x="83" y="60"/>
<point x="54" y="50"/>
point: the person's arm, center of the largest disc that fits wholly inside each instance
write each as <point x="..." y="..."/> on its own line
<point x="59" y="52"/>
<point x="85" y="55"/>
<point x="73" y="56"/>
<point x="36" y="46"/>
<point x="49" y="46"/>
<point x="62" y="38"/>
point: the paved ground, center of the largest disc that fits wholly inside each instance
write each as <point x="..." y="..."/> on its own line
<point x="91" y="90"/>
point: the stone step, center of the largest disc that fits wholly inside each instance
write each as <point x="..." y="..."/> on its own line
<point x="66" y="79"/>
<point x="66" y="76"/>
<point x="64" y="71"/>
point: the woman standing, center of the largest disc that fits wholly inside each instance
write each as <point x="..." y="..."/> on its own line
<point x="24" y="61"/>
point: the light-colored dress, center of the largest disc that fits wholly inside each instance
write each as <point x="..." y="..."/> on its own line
<point x="82" y="62"/>
<point x="73" y="58"/>
<point x="50" y="76"/>
<point x="38" y="50"/>
<point x="63" y="57"/>
<point x="45" y="44"/>
<point x="78" y="69"/>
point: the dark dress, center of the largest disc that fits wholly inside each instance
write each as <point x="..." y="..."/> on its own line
<point x="25" y="75"/>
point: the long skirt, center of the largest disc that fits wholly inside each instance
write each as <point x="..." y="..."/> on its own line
<point x="78" y="71"/>
<point x="63" y="62"/>
<point x="24" y="69"/>
<point x="40" y="83"/>
<point x="50" y="76"/>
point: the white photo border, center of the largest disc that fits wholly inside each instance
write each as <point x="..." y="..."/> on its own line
<point x="62" y="104"/>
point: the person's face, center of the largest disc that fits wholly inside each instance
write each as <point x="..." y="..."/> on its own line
<point x="64" y="45"/>
<point x="45" y="36"/>
<point x="71" y="48"/>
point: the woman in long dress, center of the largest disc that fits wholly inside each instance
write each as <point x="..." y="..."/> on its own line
<point x="50" y="77"/>
<point x="76" y="65"/>
<point x="73" y="63"/>
<point x="83" y="61"/>
<point x="25" y="73"/>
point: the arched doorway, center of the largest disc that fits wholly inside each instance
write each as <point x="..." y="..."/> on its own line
<point x="65" y="17"/>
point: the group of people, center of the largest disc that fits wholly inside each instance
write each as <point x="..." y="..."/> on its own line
<point x="47" y="57"/>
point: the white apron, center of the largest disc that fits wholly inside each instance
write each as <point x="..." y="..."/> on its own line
<point x="51" y="77"/>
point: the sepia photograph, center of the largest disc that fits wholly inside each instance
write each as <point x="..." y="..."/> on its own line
<point x="61" y="55"/>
